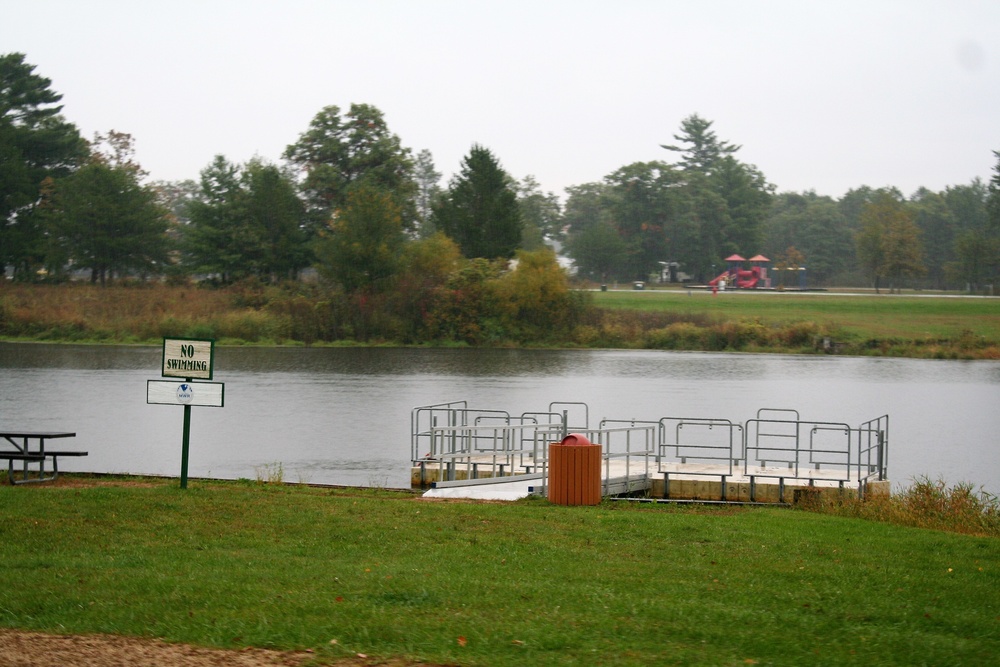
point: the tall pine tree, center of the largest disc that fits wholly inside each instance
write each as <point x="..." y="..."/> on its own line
<point x="104" y="219"/>
<point x="36" y="144"/>
<point x="480" y="210"/>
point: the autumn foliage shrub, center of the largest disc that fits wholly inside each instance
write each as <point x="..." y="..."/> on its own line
<point x="468" y="307"/>
<point x="425" y="268"/>
<point x="676" y="336"/>
<point x="305" y="318"/>
<point x="666" y="330"/>
<point x="663" y="330"/>
<point x="539" y="306"/>
<point x="738" y="335"/>
<point x="800" y="334"/>
<point x="488" y="302"/>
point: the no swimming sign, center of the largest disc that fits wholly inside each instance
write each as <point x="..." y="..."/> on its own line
<point x="189" y="358"/>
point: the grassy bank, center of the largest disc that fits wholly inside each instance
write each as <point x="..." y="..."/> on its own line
<point x="929" y="327"/>
<point x="913" y="326"/>
<point x="858" y="316"/>
<point x="388" y="575"/>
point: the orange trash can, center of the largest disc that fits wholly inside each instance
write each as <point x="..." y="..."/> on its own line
<point x="574" y="471"/>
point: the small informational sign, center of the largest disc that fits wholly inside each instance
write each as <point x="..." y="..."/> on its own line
<point x="206" y="394"/>
<point x="189" y="358"/>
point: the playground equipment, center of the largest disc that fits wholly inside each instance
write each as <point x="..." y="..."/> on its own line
<point x="737" y="276"/>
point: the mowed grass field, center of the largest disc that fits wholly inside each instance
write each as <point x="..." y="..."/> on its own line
<point x="857" y="315"/>
<point x="405" y="581"/>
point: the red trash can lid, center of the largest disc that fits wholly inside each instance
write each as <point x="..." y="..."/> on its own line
<point x="575" y="439"/>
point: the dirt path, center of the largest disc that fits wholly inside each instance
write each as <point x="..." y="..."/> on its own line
<point x="36" y="649"/>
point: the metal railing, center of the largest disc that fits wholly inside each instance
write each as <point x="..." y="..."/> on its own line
<point x="486" y="450"/>
<point x="709" y="442"/>
<point x="816" y="450"/>
<point x="775" y="444"/>
<point x="424" y="417"/>
<point x="626" y="451"/>
<point x="452" y="414"/>
<point x="873" y="450"/>
<point x="490" y="450"/>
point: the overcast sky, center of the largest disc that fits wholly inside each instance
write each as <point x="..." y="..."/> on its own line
<point x="823" y="96"/>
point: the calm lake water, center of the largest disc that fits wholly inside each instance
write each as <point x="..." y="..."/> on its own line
<point x="342" y="416"/>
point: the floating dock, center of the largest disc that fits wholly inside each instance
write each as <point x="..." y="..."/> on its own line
<point x="777" y="457"/>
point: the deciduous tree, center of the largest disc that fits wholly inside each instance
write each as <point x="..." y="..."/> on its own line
<point x="176" y="197"/>
<point x="642" y="205"/>
<point x="339" y="153"/>
<point x="815" y="225"/>
<point x="889" y="242"/>
<point x="937" y="231"/>
<point x="541" y="305"/>
<point x="748" y="197"/>
<point x="360" y="249"/>
<point x="425" y="265"/>
<point x="585" y="206"/>
<point x="540" y="212"/>
<point x="598" y="252"/>
<point x="977" y="244"/>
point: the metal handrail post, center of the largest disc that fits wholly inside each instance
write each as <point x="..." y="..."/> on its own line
<point x="880" y="456"/>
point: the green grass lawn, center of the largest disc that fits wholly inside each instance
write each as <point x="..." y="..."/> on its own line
<point x="528" y="583"/>
<point x="863" y="316"/>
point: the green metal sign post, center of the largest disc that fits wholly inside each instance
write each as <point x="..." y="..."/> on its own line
<point x="187" y="358"/>
<point x="186" y="445"/>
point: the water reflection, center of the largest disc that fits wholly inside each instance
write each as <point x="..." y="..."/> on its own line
<point x="341" y="415"/>
<point x="31" y="355"/>
<point x="392" y="361"/>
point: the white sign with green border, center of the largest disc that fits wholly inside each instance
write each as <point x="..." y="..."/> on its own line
<point x="170" y="392"/>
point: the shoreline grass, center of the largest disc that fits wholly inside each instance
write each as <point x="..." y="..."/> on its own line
<point x="384" y="573"/>
<point x="884" y="325"/>
<point x="870" y="325"/>
<point x="863" y="316"/>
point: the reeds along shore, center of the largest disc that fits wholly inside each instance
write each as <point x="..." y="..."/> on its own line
<point x="488" y="313"/>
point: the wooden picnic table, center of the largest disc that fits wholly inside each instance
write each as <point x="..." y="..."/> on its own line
<point x="24" y="451"/>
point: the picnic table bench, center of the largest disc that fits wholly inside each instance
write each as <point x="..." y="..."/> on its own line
<point x="27" y="455"/>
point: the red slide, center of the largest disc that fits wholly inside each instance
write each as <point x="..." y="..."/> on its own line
<point x="747" y="279"/>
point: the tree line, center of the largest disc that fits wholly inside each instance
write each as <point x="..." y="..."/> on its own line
<point x="371" y="217"/>
<point x="709" y="205"/>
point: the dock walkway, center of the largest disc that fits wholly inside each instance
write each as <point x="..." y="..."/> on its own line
<point x="775" y="457"/>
